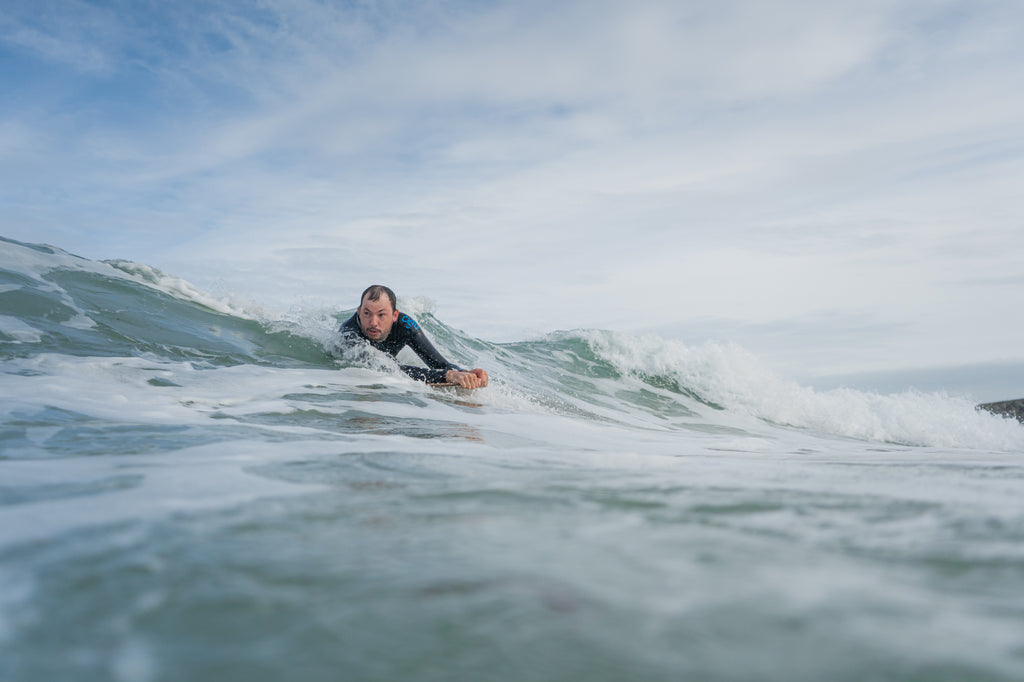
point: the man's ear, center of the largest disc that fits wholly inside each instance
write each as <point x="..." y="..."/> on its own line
<point x="395" y="318"/>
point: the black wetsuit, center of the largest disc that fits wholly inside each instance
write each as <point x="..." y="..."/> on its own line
<point x="404" y="332"/>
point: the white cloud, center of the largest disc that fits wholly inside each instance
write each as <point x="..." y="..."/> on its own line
<point x="80" y="56"/>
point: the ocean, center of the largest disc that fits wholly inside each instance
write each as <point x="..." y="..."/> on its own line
<point x="192" y="490"/>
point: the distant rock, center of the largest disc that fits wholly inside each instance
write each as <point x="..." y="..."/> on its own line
<point x="1007" y="408"/>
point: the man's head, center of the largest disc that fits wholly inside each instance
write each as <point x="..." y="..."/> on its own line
<point x="377" y="312"/>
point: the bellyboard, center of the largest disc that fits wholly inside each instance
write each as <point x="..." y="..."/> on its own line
<point x="452" y="388"/>
<point x="1006" y="408"/>
<point x="455" y="394"/>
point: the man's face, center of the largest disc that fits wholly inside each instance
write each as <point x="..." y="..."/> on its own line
<point x="376" y="318"/>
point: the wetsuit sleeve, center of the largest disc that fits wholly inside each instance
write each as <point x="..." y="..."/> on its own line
<point x="420" y="344"/>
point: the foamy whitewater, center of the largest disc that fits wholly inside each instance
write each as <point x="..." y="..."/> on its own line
<point x="193" y="491"/>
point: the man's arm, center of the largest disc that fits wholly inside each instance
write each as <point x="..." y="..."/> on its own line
<point x="421" y="345"/>
<point x="473" y="378"/>
<point x="441" y="371"/>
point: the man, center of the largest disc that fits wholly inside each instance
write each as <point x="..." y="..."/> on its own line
<point x="378" y="322"/>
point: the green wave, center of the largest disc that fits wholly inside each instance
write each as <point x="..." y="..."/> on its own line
<point x="52" y="302"/>
<point x="78" y="307"/>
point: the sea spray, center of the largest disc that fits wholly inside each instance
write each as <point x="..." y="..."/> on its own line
<point x="729" y="376"/>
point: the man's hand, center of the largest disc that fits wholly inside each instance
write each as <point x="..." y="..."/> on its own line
<point x="474" y="378"/>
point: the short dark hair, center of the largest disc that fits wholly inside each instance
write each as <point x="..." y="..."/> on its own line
<point x="374" y="293"/>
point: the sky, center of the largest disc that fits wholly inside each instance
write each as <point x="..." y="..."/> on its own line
<point x="835" y="186"/>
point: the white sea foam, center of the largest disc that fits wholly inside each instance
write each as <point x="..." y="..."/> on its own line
<point x="18" y="330"/>
<point x="179" y="288"/>
<point x="80" y="321"/>
<point x="417" y="306"/>
<point x="191" y="479"/>
<point x="34" y="263"/>
<point x="732" y="377"/>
